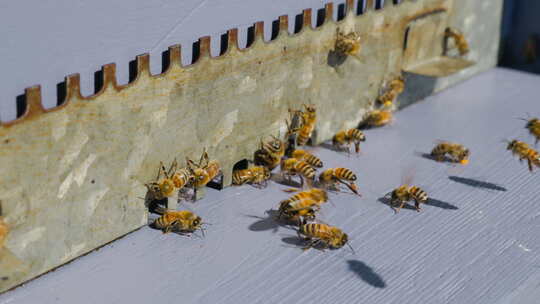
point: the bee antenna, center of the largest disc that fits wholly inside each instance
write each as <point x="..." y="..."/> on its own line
<point x="352" y="249"/>
<point x="202" y="231"/>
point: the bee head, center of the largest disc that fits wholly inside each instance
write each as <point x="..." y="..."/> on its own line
<point x="166" y="187"/>
<point x="511" y="145"/>
<point x="310" y="108"/>
<point x="532" y="122"/>
<point x="343" y="240"/>
<point x="197" y="222"/>
<point x="266" y="173"/>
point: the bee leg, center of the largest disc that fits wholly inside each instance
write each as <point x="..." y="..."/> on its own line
<point x="529" y="162"/>
<point x="301" y="181"/>
<point x="170" y="227"/>
<point x="400" y="206"/>
<point x="417" y="205"/>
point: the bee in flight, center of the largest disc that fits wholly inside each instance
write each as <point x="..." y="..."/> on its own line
<point x="183" y="222"/>
<point x="3" y="228"/>
<point x="347" y="44"/>
<point x="376" y="118"/>
<point x="330" y="178"/>
<point x="257" y="175"/>
<point x="322" y="235"/>
<point x="205" y="171"/>
<point x="450" y="151"/>
<point x="459" y="39"/>
<point x="346" y="137"/>
<point x="292" y="166"/>
<point x="270" y="153"/>
<point x="309" y="158"/>
<point x="533" y="125"/>
<point x="172" y="181"/>
<point x="523" y="151"/>
<point x="307" y="118"/>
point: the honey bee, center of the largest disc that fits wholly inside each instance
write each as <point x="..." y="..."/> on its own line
<point x="347" y="44"/>
<point x="395" y="87"/>
<point x="255" y="175"/>
<point x="182" y="221"/>
<point x="163" y="187"/>
<point x="405" y="193"/>
<point x="460" y="41"/>
<point x="377" y="118"/>
<point x="309" y="158"/>
<point x="270" y="153"/>
<point x="318" y="195"/>
<point x="295" y="210"/>
<point x="331" y="177"/>
<point x="292" y="166"/>
<point x="533" y="125"/>
<point x="322" y="234"/>
<point x="453" y="152"/>
<point x="205" y="171"/>
<point x="523" y="151"/>
<point x="308" y="120"/>
<point x="346" y="137"/>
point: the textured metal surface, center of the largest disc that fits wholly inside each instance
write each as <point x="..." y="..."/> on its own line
<point x="477" y="242"/>
<point x="72" y="177"/>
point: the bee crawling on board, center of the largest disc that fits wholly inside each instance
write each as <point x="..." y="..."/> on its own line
<point x="183" y="222"/>
<point x="309" y="158"/>
<point x="395" y="87"/>
<point x="524" y="152"/>
<point x="533" y="125"/>
<point x="256" y="175"/>
<point x="376" y="118"/>
<point x="308" y="119"/>
<point x="347" y="44"/>
<point x="294" y="167"/>
<point x="296" y="210"/>
<point x="459" y="39"/>
<point x="452" y="152"/>
<point x="331" y="178"/>
<point x="270" y="153"/>
<point x="406" y="193"/>
<point x="205" y="171"/>
<point x="322" y="235"/>
<point x="347" y="137"/>
<point x="172" y="181"/>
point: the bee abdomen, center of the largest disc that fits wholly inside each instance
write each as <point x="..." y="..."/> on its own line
<point x="304" y="134"/>
<point x="356" y="135"/>
<point x="344" y="173"/>
<point x="240" y="177"/>
<point x="305" y="169"/>
<point x="314" y="161"/>
<point x="419" y="194"/>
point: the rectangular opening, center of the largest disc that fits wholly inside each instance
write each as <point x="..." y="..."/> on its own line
<point x="341" y="12"/>
<point x="361" y="7"/>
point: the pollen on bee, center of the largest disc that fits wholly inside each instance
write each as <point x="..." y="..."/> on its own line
<point x="464" y="161"/>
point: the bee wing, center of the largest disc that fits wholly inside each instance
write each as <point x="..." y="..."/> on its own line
<point x="408" y="175"/>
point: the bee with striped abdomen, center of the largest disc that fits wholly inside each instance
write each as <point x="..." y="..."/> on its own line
<point x="523" y="151"/>
<point x="404" y="194"/>
<point x="270" y="153"/>
<point x="181" y="221"/>
<point x="309" y="158"/>
<point x="459" y="39"/>
<point x="450" y="151"/>
<point x="205" y="171"/>
<point x="165" y="187"/>
<point x="324" y="235"/>
<point x="347" y="44"/>
<point x="292" y="166"/>
<point x="308" y="118"/>
<point x="347" y="137"/>
<point x="318" y="195"/>
<point x="257" y="175"/>
<point x="330" y="178"/>
<point x="395" y="87"/>
<point x="296" y="210"/>
<point x="376" y="118"/>
<point x="533" y="125"/>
